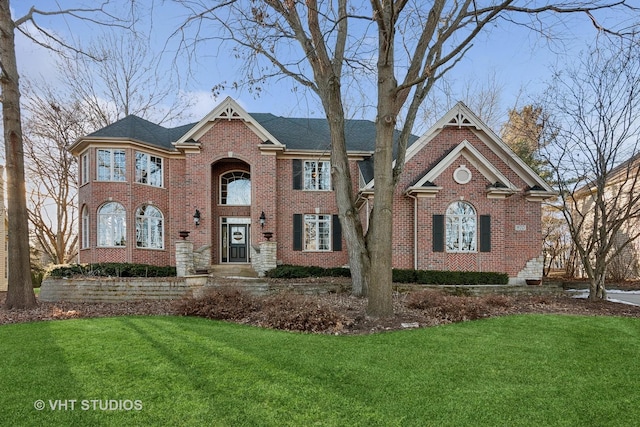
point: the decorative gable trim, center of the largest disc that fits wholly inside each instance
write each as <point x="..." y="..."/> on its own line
<point x="228" y="110"/>
<point x="460" y="119"/>
<point x="502" y="187"/>
<point x="461" y="116"/>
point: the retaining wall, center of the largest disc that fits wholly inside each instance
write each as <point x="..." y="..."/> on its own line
<point x="118" y="289"/>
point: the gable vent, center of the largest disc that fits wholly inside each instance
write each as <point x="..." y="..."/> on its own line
<point x="228" y="113"/>
<point x="459" y="120"/>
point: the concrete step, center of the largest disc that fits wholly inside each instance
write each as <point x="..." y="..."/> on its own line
<point x="244" y="271"/>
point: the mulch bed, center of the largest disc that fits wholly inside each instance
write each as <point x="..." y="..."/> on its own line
<point x="442" y="309"/>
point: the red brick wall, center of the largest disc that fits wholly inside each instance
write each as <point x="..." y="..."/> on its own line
<point x="191" y="181"/>
<point x="132" y="195"/>
<point x="510" y="249"/>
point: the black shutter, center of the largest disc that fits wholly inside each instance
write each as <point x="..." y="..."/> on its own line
<point x="336" y="234"/>
<point x="485" y="233"/>
<point x="297" y="232"/>
<point x="297" y="174"/>
<point x="438" y="233"/>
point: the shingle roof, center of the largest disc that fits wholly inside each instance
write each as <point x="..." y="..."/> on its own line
<point x="136" y="128"/>
<point x="295" y="133"/>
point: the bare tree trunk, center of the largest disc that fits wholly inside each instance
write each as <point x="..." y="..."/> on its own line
<point x="20" y="290"/>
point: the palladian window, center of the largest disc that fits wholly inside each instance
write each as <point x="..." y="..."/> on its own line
<point x="461" y="227"/>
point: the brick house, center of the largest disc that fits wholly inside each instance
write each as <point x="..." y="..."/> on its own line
<point x="465" y="201"/>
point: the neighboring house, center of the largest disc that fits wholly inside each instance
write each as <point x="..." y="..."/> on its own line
<point x="4" y="238"/>
<point x="622" y="190"/>
<point x="464" y="202"/>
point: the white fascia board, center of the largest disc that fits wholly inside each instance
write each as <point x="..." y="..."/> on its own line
<point x="228" y="109"/>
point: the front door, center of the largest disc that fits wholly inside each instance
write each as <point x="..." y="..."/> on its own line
<point x="238" y="245"/>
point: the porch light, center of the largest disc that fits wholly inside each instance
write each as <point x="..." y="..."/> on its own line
<point x="263" y="219"/>
<point x="196" y="218"/>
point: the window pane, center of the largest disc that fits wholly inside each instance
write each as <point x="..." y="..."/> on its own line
<point x="141" y="168"/>
<point x="235" y="188"/>
<point x="104" y="165"/>
<point x="317" y="232"/>
<point x="118" y="165"/>
<point x="461" y="227"/>
<point x="324" y="182"/>
<point x="317" y="175"/>
<point x="149" y="228"/>
<point x="155" y="171"/>
<point x="111" y="225"/>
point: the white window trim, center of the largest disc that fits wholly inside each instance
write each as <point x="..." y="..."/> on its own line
<point x="459" y="228"/>
<point x="304" y="180"/>
<point x="148" y="157"/>
<point x="84" y="171"/>
<point x="220" y="187"/>
<point x="161" y="219"/>
<point x="316" y="221"/>
<point x="85" y="243"/>
<point x="112" y="152"/>
<point x="124" y="228"/>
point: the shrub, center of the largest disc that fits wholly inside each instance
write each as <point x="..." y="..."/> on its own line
<point x="299" y="271"/>
<point x="295" y="312"/>
<point x="219" y="304"/>
<point x="438" y="277"/>
<point x="455" y="308"/>
<point x="111" y="269"/>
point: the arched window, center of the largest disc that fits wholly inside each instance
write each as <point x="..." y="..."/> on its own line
<point x="112" y="227"/>
<point x="461" y="227"/>
<point x="85" y="228"/>
<point x="149" y="228"/>
<point x="235" y="188"/>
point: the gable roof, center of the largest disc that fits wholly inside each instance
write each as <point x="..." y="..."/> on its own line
<point x="461" y="116"/>
<point x="290" y="132"/>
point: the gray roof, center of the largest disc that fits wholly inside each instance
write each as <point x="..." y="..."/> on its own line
<point x="295" y="133"/>
<point x="136" y="128"/>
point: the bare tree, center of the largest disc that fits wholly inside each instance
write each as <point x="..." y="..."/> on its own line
<point x="52" y="170"/>
<point x="118" y="77"/>
<point x="20" y="289"/>
<point x="122" y="76"/>
<point x="594" y="112"/>
<point x="329" y="45"/>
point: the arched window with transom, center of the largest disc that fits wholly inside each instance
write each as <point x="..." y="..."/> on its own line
<point x="149" y="228"/>
<point x="112" y="226"/>
<point x="461" y="228"/>
<point x="235" y="188"/>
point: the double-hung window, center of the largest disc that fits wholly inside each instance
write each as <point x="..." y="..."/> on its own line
<point x="111" y="165"/>
<point x="148" y="169"/>
<point x="317" y="175"/>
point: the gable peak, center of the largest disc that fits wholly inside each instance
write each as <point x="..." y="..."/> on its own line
<point x="460" y="118"/>
<point x="228" y="112"/>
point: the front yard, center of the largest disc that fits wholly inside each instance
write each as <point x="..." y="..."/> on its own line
<point x="167" y="370"/>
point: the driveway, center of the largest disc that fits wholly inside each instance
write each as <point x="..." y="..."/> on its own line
<point x="624" y="297"/>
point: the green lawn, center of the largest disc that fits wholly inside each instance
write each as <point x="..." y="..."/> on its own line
<point x="519" y="370"/>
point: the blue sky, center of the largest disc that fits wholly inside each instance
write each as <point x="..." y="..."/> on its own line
<point x="520" y="61"/>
